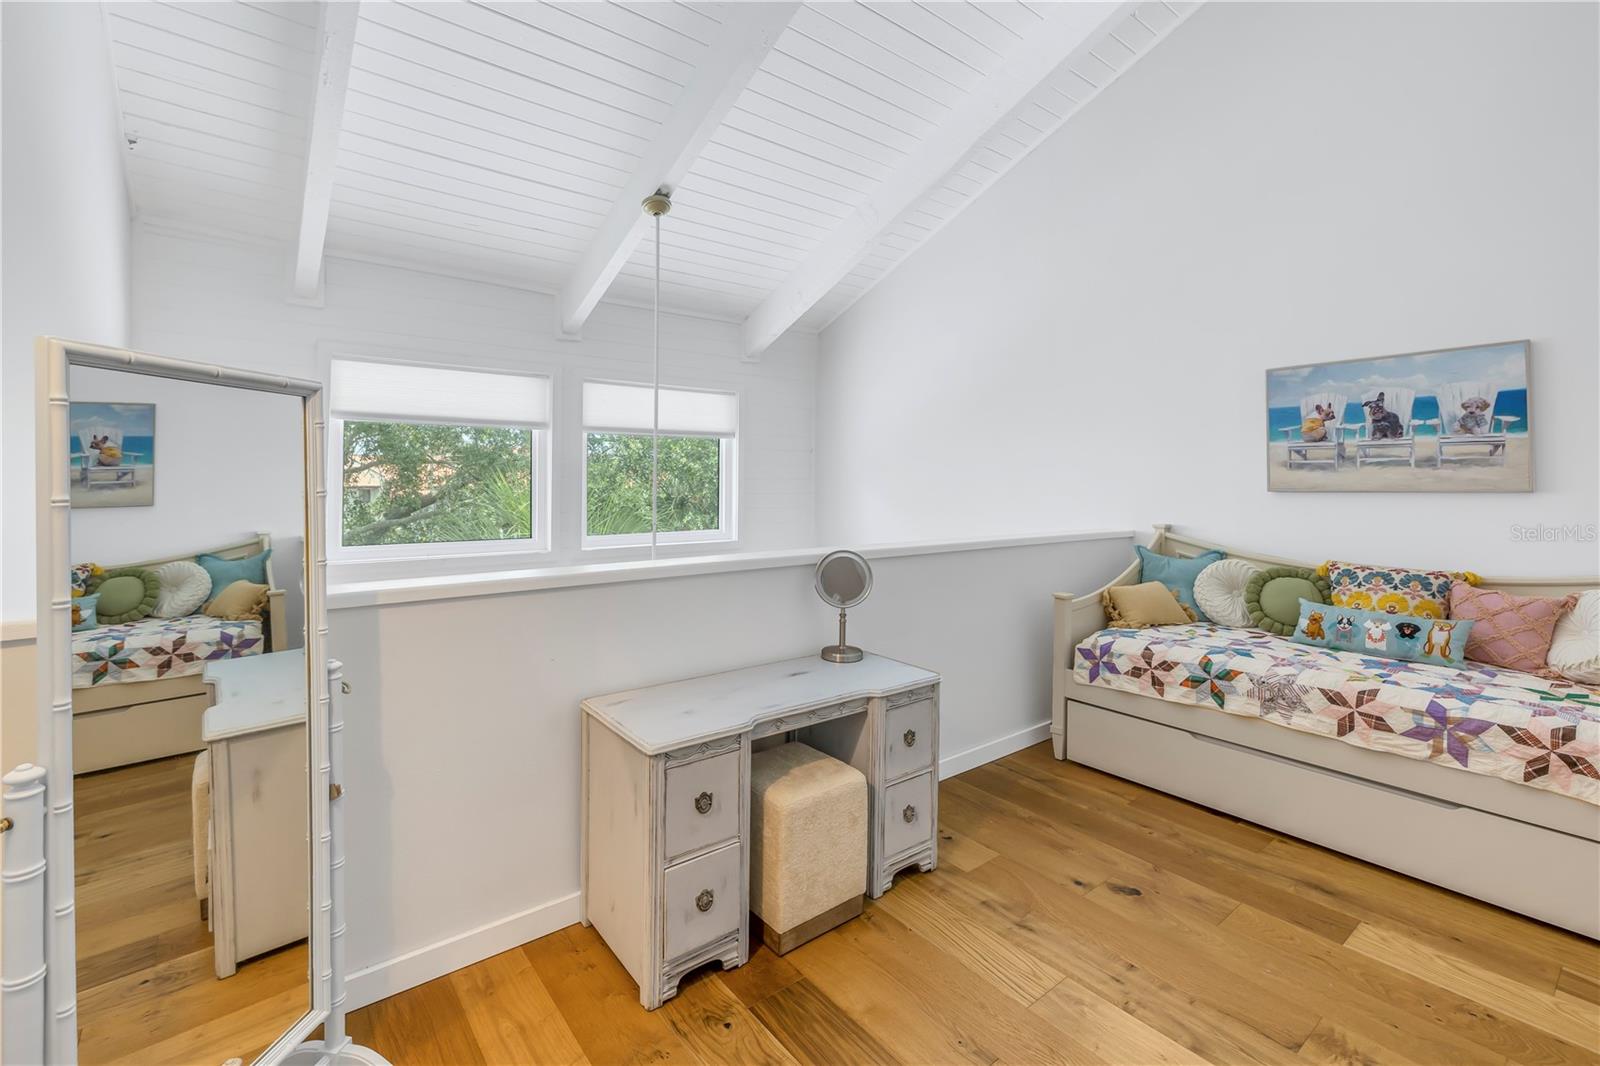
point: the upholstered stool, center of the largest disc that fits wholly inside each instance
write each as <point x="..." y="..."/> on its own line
<point x="808" y="853"/>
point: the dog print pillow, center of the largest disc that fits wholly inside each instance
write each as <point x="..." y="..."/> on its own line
<point x="1382" y="635"/>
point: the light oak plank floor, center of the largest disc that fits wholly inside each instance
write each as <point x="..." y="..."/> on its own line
<point x="147" y="990"/>
<point x="1075" y="918"/>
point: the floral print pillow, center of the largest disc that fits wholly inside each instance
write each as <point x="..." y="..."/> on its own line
<point x="1391" y="589"/>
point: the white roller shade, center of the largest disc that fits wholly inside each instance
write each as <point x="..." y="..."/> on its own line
<point x="399" y="392"/>
<point x="609" y="407"/>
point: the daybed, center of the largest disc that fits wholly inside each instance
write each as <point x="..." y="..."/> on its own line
<point x="1420" y="768"/>
<point x="137" y="691"/>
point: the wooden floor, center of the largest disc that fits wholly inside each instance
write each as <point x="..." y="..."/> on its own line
<point x="1074" y="918"/>
<point x="147" y="991"/>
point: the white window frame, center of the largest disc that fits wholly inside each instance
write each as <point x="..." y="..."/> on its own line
<point x="485" y="550"/>
<point x="726" y="533"/>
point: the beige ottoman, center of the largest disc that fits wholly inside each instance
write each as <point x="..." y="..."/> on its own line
<point x="808" y="853"/>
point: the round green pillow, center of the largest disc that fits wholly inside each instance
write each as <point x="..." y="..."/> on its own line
<point x="125" y="595"/>
<point x="1273" y="597"/>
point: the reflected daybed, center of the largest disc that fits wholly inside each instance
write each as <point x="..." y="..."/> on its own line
<point x="137" y="690"/>
<point x="1383" y="760"/>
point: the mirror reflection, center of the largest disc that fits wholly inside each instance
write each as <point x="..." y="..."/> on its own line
<point x="190" y="748"/>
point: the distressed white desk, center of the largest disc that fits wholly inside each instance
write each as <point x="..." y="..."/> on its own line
<point x="666" y="798"/>
<point x="259" y="861"/>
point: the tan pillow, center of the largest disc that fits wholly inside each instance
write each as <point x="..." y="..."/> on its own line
<point x="242" y="601"/>
<point x="1142" y="606"/>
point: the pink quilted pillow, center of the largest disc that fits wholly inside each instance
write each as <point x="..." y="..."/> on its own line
<point x="1512" y="631"/>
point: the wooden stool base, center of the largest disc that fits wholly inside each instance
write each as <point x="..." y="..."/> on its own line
<point x="785" y="942"/>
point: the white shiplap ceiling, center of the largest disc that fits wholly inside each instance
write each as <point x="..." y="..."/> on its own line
<point x="809" y="147"/>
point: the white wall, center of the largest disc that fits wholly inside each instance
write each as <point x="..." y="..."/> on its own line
<point x="227" y="466"/>
<point x="64" y="266"/>
<point x="461" y="730"/>
<point x="223" y="302"/>
<point x="1275" y="184"/>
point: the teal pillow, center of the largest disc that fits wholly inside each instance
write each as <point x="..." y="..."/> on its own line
<point x="1440" y="641"/>
<point x="225" y="572"/>
<point x="1177" y="574"/>
<point x="1273" y="596"/>
<point x="83" y="610"/>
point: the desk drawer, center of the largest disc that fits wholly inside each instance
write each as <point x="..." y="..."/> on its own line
<point x="907" y="814"/>
<point x="909" y="745"/>
<point x="703" y="901"/>
<point x="702" y="803"/>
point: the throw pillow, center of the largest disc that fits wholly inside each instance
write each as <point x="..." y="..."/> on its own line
<point x="242" y="601"/>
<point x="225" y="572"/>
<point x="1219" y="591"/>
<point x="184" y="587"/>
<point x="1142" y="606"/>
<point x="1382" y="635"/>
<point x="1391" y="589"/>
<point x="125" y="595"/>
<point x="1513" y="632"/>
<point x="1177" y="574"/>
<point x="1273" y="596"/>
<point x="83" y="613"/>
<point x="1575" y="648"/>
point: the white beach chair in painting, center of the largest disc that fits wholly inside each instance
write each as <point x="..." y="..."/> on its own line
<point x="1330" y="449"/>
<point x="103" y="467"/>
<point x="1468" y="427"/>
<point x="1371" y="444"/>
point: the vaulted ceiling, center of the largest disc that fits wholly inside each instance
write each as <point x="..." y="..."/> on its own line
<point x="808" y="147"/>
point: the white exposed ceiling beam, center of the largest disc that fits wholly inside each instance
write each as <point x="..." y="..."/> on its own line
<point x="745" y="36"/>
<point x="337" y="45"/>
<point x="1068" y="31"/>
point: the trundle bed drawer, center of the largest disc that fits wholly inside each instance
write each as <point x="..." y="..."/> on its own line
<point x="1449" y="844"/>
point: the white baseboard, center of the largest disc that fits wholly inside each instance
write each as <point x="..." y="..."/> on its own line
<point x="961" y="761"/>
<point x="384" y="979"/>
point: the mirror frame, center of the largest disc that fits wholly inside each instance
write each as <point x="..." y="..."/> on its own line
<point x="53" y="359"/>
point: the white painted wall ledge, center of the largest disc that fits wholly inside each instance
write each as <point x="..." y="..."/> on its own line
<point x="349" y="594"/>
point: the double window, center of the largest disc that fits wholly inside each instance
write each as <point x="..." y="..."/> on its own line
<point x="694" y="464"/>
<point x="454" y="460"/>
<point x="435" y="461"/>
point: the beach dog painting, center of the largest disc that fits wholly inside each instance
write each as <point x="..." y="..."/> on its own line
<point x="113" y="448"/>
<point x="1449" y="420"/>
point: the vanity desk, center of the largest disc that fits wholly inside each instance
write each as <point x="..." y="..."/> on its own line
<point x="666" y="798"/>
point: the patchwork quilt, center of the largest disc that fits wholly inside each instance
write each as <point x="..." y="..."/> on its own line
<point x="1501" y="723"/>
<point x="154" y="648"/>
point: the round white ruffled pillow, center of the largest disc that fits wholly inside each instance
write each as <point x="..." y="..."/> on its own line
<point x="1575" y="651"/>
<point x="184" y="587"/>
<point x="1219" y="590"/>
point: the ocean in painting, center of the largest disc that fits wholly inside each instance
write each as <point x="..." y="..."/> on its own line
<point x="1510" y="402"/>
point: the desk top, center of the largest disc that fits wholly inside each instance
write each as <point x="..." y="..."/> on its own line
<point x="255" y="693"/>
<point x="662" y="718"/>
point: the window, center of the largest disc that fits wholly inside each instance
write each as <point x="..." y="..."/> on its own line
<point x="435" y="461"/>
<point x="695" y="461"/>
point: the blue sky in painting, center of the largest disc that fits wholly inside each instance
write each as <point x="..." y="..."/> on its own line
<point x="133" y="419"/>
<point x="1502" y="365"/>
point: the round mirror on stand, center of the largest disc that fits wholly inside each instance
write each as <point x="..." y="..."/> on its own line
<point x="843" y="580"/>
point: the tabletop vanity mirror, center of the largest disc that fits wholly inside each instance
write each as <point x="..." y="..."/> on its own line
<point x="843" y="580"/>
<point x="184" y="807"/>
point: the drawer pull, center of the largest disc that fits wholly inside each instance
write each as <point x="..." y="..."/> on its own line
<point x="909" y="738"/>
<point x="702" y="803"/>
<point x="704" y="900"/>
<point x="909" y="814"/>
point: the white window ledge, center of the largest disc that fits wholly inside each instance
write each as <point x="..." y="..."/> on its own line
<point x="349" y="594"/>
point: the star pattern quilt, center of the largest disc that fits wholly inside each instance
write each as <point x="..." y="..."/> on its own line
<point x="1501" y="723"/>
<point x="154" y="648"/>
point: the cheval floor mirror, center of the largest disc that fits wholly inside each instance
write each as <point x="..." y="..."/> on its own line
<point x="44" y="992"/>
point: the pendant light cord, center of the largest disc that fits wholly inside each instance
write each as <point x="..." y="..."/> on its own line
<point x="655" y="395"/>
